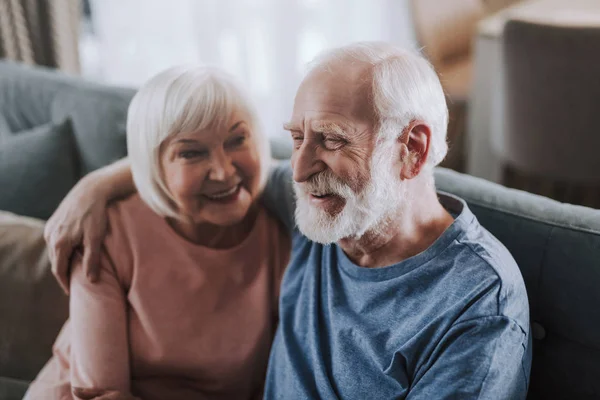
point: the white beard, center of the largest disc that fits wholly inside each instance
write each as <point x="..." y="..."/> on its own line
<point x="368" y="211"/>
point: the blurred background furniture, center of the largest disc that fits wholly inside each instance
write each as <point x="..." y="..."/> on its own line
<point x="557" y="246"/>
<point x="42" y="32"/>
<point x="445" y="32"/>
<point x="493" y="6"/>
<point x="486" y="114"/>
<point x="551" y="136"/>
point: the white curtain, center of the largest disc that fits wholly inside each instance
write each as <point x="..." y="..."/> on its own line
<point x="266" y="43"/>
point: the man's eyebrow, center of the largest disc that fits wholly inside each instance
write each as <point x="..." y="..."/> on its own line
<point x="330" y="127"/>
<point x="288" y="126"/>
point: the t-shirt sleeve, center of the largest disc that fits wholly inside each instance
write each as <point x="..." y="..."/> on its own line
<point x="98" y="323"/>
<point x="278" y="196"/>
<point x="482" y="358"/>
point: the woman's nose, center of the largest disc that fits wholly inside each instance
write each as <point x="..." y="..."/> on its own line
<point x="221" y="168"/>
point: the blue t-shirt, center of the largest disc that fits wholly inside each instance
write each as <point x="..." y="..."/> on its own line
<point x="449" y="323"/>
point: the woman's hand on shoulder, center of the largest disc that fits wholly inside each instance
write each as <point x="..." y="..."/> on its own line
<point x="80" y="220"/>
<point x="99" y="394"/>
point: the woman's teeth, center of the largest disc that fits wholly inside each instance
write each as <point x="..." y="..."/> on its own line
<point x="221" y="195"/>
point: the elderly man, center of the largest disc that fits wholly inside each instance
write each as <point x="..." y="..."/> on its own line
<point x="393" y="291"/>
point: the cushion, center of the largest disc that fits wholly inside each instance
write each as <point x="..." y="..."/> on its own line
<point x="37" y="169"/>
<point x="12" y="389"/>
<point x="4" y="127"/>
<point x="32" y="306"/>
<point x="99" y="117"/>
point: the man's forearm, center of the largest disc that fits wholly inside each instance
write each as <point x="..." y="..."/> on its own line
<point x="113" y="181"/>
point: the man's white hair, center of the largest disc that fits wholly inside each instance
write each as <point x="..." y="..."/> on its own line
<point x="405" y="87"/>
<point x="182" y="99"/>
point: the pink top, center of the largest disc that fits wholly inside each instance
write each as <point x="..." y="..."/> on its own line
<point x="170" y="319"/>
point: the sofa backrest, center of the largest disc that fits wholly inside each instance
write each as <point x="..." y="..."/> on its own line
<point x="33" y="96"/>
<point x="557" y="247"/>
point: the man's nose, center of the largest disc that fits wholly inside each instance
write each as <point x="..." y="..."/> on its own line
<point x="306" y="161"/>
<point x="221" y="167"/>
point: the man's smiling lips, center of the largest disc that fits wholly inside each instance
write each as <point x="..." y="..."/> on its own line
<point x="321" y="195"/>
<point x="330" y="202"/>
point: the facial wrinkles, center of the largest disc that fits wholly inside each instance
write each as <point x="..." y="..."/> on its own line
<point x="369" y="210"/>
<point x="192" y="179"/>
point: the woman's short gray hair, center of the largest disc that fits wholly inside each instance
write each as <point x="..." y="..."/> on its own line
<point x="182" y="99"/>
<point x="405" y="87"/>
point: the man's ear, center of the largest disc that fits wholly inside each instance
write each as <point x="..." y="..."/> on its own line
<point x="414" y="148"/>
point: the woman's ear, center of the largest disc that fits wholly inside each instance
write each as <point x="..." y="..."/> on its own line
<point x="414" y="148"/>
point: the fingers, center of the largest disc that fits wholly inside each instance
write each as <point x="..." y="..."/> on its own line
<point x="60" y="248"/>
<point x="80" y="217"/>
<point x="117" y="396"/>
<point x="99" y="394"/>
<point x="88" y="393"/>
<point x="60" y="265"/>
<point x="48" y="230"/>
<point x="91" y="259"/>
<point x="94" y="233"/>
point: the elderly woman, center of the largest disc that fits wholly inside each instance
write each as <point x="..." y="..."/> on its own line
<point x="185" y="304"/>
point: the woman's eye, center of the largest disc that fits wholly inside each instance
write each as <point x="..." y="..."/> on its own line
<point x="236" y="142"/>
<point x="191" y="154"/>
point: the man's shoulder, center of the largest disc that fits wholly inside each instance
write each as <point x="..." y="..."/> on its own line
<point x="490" y="253"/>
<point x="478" y="250"/>
<point x="487" y="260"/>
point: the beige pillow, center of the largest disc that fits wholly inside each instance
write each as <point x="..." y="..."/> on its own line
<point x="32" y="305"/>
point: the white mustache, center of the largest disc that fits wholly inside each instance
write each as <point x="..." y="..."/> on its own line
<point x="325" y="183"/>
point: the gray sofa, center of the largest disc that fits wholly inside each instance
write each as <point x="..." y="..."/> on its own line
<point x="557" y="246"/>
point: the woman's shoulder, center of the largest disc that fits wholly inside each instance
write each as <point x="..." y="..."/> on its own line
<point x="278" y="235"/>
<point x="130" y="205"/>
<point x="276" y="245"/>
<point x="131" y="216"/>
<point x="271" y="222"/>
<point x="129" y="221"/>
